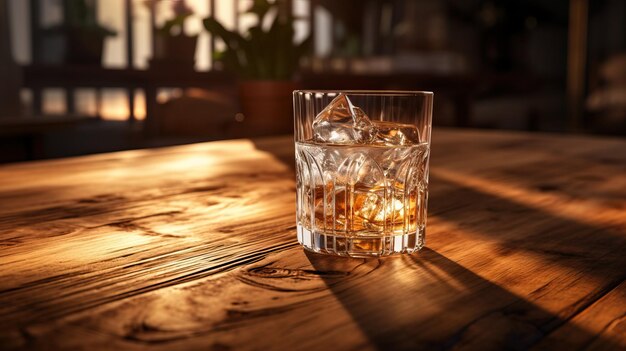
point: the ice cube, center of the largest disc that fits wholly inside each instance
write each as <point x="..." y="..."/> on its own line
<point x="342" y="123"/>
<point x="395" y="134"/>
<point x="364" y="210"/>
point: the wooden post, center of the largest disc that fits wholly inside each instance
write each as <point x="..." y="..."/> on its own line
<point x="35" y="51"/>
<point x="130" y="92"/>
<point x="128" y="9"/>
<point x="70" y="106"/>
<point x="149" y="104"/>
<point x="70" y="102"/>
<point x="35" y="38"/>
<point x="312" y="28"/>
<point x="153" y="27"/>
<point x="289" y="8"/>
<point x="576" y="62"/>
<point x="10" y="82"/>
<point x="212" y="42"/>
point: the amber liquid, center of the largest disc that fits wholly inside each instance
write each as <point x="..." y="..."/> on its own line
<point x="361" y="196"/>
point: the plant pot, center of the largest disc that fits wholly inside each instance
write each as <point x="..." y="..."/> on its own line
<point x="177" y="50"/>
<point x="267" y="107"/>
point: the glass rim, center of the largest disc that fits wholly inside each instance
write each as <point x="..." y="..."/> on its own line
<point x="369" y="92"/>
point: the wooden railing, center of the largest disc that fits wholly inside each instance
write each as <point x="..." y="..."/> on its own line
<point x="39" y="76"/>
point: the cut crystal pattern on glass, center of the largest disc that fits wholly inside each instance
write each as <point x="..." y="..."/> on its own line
<point x="361" y="197"/>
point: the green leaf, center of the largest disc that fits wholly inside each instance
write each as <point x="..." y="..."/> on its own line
<point x="232" y="39"/>
<point x="260" y="8"/>
<point x="260" y="54"/>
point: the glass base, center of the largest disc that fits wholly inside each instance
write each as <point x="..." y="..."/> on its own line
<point x="360" y="246"/>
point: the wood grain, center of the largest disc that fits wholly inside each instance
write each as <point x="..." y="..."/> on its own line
<point x="193" y="247"/>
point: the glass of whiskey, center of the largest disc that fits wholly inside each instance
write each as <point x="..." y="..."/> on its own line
<point x="362" y="170"/>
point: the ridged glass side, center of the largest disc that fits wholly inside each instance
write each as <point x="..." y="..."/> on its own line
<point x="361" y="200"/>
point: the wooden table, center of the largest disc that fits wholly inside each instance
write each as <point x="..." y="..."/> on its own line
<point x="193" y="247"/>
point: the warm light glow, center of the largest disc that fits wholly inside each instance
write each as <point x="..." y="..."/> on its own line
<point x="569" y="208"/>
<point x="188" y="163"/>
<point x="74" y="250"/>
<point x="54" y="101"/>
<point x="140" y="105"/>
<point x="114" y="105"/>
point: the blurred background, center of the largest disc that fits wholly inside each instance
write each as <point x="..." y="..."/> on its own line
<point x="89" y="76"/>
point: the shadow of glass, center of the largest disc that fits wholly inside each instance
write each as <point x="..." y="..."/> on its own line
<point x="593" y="250"/>
<point x="429" y="302"/>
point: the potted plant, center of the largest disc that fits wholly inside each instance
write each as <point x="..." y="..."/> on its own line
<point x="81" y="33"/>
<point x="265" y="58"/>
<point x="172" y="46"/>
